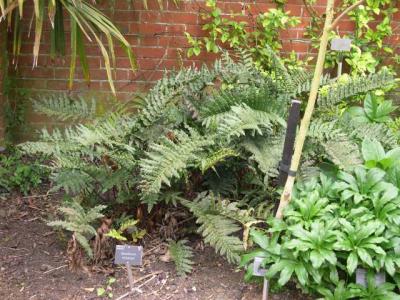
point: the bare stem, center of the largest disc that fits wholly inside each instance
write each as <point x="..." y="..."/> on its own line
<point x="345" y="12"/>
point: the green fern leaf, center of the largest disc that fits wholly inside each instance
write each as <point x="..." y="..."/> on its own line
<point x="182" y="255"/>
<point x="167" y="159"/>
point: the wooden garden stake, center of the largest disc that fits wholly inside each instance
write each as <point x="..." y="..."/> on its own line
<point x="305" y="123"/>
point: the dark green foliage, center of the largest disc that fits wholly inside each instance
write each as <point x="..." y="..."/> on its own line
<point x="219" y="224"/>
<point x="19" y="173"/>
<point x="216" y="129"/>
<point x="334" y="226"/>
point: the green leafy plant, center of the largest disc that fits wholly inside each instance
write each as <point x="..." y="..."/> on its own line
<point x="375" y="110"/>
<point x="262" y="30"/>
<point x="332" y="227"/>
<point x="79" y="221"/>
<point x="216" y="131"/>
<point x="22" y="174"/>
<point x="373" y="24"/>
<point x="107" y="291"/>
<point x="127" y="229"/>
<point x="181" y="254"/>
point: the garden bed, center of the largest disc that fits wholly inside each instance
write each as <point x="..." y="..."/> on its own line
<point x="33" y="265"/>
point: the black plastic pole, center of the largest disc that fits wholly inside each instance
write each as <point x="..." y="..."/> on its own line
<point x="293" y="121"/>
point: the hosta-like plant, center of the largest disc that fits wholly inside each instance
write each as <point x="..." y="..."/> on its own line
<point x="330" y="231"/>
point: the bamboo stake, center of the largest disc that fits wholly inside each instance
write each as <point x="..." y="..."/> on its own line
<point x="305" y="123"/>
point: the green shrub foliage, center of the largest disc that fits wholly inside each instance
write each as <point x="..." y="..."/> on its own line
<point x="335" y="225"/>
<point x="217" y="129"/>
<point x="21" y="174"/>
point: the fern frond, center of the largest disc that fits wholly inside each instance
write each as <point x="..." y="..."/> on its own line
<point x="167" y="159"/>
<point x="282" y="74"/>
<point x="258" y="98"/>
<point x="244" y="118"/>
<point x="322" y="130"/>
<point x="343" y="153"/>
<point x="216" y="229"/>
<point x="305" y="86"/>
<point x="84" y="243"/>
<point x="212" y="159"/>
<point x="78" y="221"/>
<point x="332" y="94"/>
<point x="64" y="107"/>
<point x="167" y="91"/>
<point x="182" y="255"/>
<point x="72" y="181"/>
<point x="267" y="152"/>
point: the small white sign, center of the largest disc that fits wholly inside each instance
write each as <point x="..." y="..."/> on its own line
<point x="257" y="270"/>
<point x="340" y="44"/>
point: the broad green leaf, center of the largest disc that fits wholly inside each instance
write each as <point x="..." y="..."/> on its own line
<point x="357" y="114"/>
<point x="301" y="274"/>
<point x="372" y="151"/>
<point x="316" y="259"/>
<point x="260" y="238"/>
<point x="352" y="262"/>
<point x="389" y="266"/>
<point x="365" y="256"/>
<point x="286" y="274"/>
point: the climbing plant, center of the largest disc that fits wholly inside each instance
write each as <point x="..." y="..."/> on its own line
<point x="228" y="31"/>
<point x="372" y="25"/>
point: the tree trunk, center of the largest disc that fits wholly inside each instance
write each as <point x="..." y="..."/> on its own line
<point x="305" y="123"/>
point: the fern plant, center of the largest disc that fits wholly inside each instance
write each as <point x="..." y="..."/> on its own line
<point x="220" y="222"/>
<point x="181" y="255"/>
<point x="216" y="129"/>
<point x="66" y="108"/>
<point x="79" y="221"/>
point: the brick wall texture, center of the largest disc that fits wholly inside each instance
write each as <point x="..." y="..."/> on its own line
<point x="158" y="40"/>
<point x="2" y="48"/>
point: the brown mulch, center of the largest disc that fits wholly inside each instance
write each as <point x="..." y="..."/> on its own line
<point x="33" y="265"/>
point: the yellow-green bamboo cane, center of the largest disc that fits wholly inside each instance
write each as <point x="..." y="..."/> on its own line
<point x="305" y="123"/>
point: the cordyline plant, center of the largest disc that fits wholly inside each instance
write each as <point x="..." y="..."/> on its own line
<point x="330" y="23"/>
<point x="86" y="22"/>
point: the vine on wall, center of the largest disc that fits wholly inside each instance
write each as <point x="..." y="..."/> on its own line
<point x="257" y="32"/>
<point x="373" y="25"/>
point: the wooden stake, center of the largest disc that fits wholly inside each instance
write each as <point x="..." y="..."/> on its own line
<point x="305" y="123"/>
<point x="130" y="276"/>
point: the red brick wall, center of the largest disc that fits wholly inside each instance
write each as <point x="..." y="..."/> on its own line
<point x="157" y="37"/>
<point x="2" y="48"/>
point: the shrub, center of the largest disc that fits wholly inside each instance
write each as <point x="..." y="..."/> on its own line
<point x="217" y="130"/>
<point x="334" y="226"/>
<point x="21" y="174"/>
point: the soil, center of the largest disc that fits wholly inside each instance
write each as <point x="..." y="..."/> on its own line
<point x="33" y="265"/>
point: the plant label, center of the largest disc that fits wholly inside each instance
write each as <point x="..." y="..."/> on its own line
<point x="257" y="270"/>
<point x="340" y="44"/>
<point x="126" y="254"/>
<point x="361" y="277"/>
